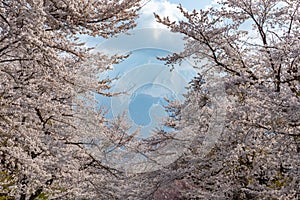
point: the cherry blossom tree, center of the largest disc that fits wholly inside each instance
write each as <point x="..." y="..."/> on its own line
<point x="252" y="46"/>
<point x="50" y="130"/>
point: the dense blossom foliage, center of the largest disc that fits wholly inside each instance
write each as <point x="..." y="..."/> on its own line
<point x="242" y="110"/>
<point x="254" y="45"/>
<point x="47" y="114"/>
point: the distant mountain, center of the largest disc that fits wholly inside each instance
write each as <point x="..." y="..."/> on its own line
<point x="139" y="108"/>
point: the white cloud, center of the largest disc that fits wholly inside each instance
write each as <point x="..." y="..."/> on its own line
<point x="162" y="8"/>
<point x="213" y="3"/>
<point x="142" y="38"/>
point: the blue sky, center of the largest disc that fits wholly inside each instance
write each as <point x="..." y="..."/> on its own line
<point x="147" y="80"/>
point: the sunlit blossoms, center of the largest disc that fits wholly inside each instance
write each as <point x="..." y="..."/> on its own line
<point x="242" y="109"/>
<point x="47" y="115"/>
<point x="254" y="46"/>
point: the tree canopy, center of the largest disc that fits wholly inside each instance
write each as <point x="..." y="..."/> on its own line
<point x="242" y="109"/>
<point x="253" y="47"/>
<point x="47" y="117"/>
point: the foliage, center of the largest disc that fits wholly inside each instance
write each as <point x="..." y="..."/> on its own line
<point x="257" y="153"/>
<point x="47" y="117"/>
<point x="55" y="144"/>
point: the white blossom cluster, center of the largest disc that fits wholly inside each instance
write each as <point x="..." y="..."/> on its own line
<point x="242" y="110"/>
<point x="48" y="122"/>
<point x="257" y="155"/>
